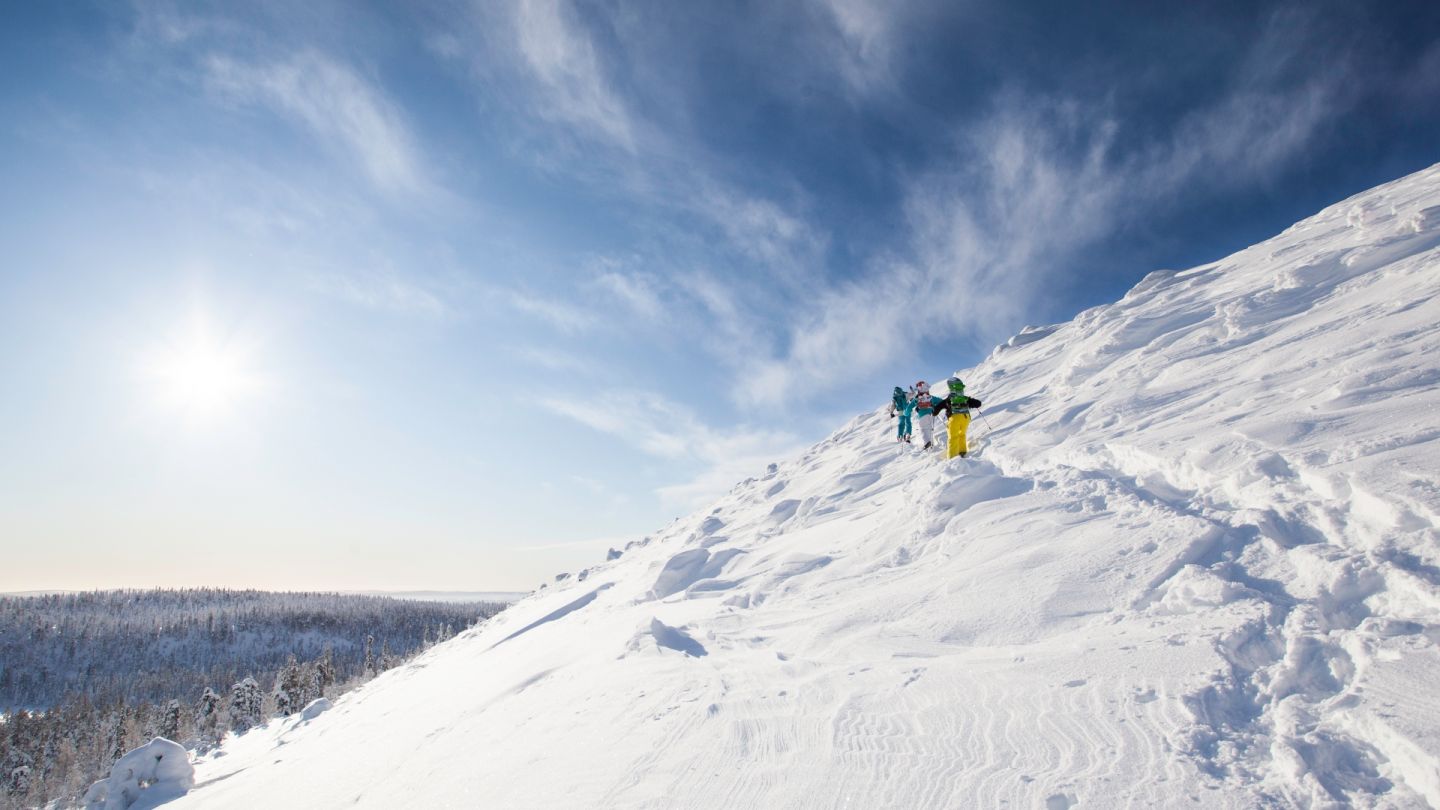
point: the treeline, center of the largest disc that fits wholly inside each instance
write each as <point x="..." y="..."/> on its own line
<point x="89" y="676"/>
<point x="154" y="645"/>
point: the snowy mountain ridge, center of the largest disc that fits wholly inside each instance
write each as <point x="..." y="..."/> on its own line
<point x="1196" y="562"/>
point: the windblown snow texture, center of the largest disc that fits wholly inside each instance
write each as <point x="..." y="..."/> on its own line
<point x="1195" y="564"/>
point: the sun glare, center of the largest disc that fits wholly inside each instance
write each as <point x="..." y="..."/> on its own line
<point x="200" y="379"/>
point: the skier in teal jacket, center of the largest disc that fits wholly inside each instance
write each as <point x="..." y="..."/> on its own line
<point x="901" y="404"/>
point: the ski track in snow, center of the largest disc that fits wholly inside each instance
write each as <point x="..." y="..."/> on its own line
<point x="1197" y="563"/>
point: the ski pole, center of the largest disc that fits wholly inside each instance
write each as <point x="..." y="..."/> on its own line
<point x="988" y="427"/>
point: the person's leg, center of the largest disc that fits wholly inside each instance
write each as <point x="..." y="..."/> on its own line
<point x="958" y="423"/>
<point x="927" y="428"/>
<point x="905" y="427"/>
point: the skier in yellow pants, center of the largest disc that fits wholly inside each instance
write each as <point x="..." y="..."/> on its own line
<point x="957" y="407"/>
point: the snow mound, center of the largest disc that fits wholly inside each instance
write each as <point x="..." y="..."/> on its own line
<point x="689" y="569"/>
<point x="315" y="708"/>
<point x="1192" y="560"/>
<point x="149" y="776"/>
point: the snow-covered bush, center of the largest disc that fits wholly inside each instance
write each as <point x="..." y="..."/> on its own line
<point x="150" y="775"/>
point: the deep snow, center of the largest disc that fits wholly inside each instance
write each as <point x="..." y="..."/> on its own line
<point x="1195" y="564"/>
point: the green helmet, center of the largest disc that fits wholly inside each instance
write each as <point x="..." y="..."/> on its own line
<point x="956" y="385"/>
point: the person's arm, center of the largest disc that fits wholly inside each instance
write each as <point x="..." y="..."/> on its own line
<point x="972" y="402"/>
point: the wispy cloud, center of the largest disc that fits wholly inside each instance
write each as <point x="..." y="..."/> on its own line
<point x="637" y="291"/>
<point x="556" y="361"/>
<point x="789" y="247"/>
<point x="336" y="104"/>
<point x="383" y="291"/>
<point x="559" y="314"/>
<point x="993" y="231"/>
<point x="167" y="24"/>
<point x="661" y="427"/>
<point x="863" y="51"/>
<point x="567" y="67"/>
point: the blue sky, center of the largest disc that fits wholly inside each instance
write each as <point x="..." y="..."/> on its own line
<point x="455" y="295"/>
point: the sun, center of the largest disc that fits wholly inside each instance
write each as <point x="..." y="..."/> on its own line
<point x="200" y="378"/>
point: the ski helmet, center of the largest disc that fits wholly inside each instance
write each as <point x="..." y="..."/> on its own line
<point x="956" y="385"/>
<point x="898" y="391"/>
<point x="922" y="386"/>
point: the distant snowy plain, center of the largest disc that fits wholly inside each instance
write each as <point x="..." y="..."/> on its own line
<point x="1195" y="564"/>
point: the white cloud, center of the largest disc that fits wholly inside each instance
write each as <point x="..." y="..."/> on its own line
<point x="337" y="105"/>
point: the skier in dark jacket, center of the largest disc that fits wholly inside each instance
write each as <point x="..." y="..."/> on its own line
<point x="902" y="404"/>
<point x="956" y="408"/>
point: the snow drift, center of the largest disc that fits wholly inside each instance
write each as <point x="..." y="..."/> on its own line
<point x="1196" y="561"/>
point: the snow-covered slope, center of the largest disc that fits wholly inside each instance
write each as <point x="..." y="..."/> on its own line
<point x="1196" y="563"/>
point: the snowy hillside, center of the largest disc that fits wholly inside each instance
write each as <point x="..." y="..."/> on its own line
<point x="1195" y="564"/>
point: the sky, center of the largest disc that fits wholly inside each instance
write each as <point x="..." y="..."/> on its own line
<point x="458" y="295"/>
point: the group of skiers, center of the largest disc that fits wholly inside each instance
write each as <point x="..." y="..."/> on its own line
<point x="917" y="400"/>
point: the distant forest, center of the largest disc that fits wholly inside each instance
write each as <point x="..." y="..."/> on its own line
<point x="85" y="677"/>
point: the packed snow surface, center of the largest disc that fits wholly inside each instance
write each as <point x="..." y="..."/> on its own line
<point x="1196" y="563"/>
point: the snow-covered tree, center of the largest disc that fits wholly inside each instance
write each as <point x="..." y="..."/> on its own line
<point x="120" y="735"/>
<point x="282" y="697"/>
<point x="247" y="706"/>
<point x="325" y="672"/>
<point x="169" y="727"/>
